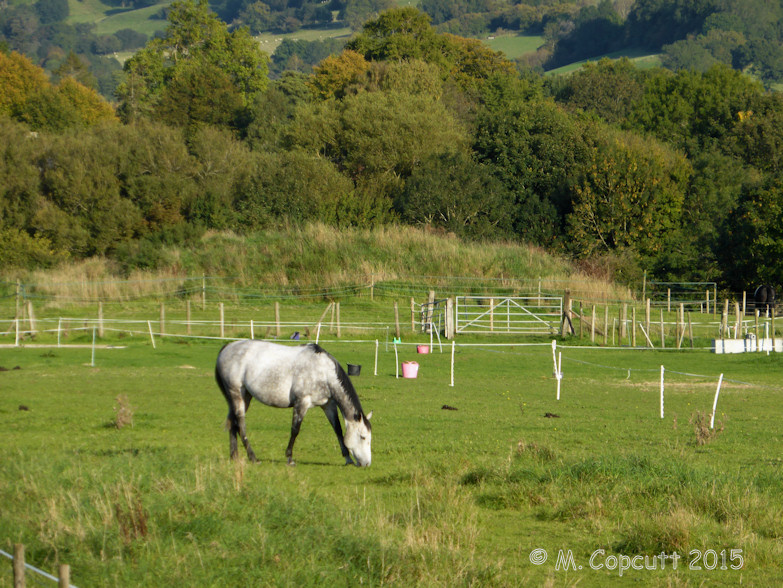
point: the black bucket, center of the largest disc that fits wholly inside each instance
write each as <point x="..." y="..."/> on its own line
<point x="354" y="370"/>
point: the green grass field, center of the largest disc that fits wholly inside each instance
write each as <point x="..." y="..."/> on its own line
<point x="270" y="41"/>
<point x="453" y="497"/>
<point x="109" y="19"/>
<point x="515" y="45"/>
<point x="641" y="59"/>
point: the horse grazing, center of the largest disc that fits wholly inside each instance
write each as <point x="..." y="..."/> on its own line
<point x="291" y="377"/>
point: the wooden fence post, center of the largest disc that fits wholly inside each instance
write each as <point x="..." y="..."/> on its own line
<point x="690" y="329"/>
<point x="633" y="326"/>
<point x="18" y="297"/>
<point x="323" y="314"/>
<point x="430" y="310"/>
<point x="450" y="318"/>
<point x="565" y="321"/>
<point x="756" y="313"/>
<point x="31" y="317"/>
<point x="100" y="319"/>
<point x="19" y="581"/>
<point x="396" y="320"/>
<point x="715" y="300"/>
<point x="162" y="318"/>
<point x="64" y="579"/>
<point x="624" y="322"/>
<point x="187" y="316"/>
<point x="663" y="333"/>
<point x="222" y="321"/>
<point x="606" y="325"/>
<point x="277" y="318"/>
<point x="338" y="319"/>
<point x="681" y="325"/>
<point x="413" y="315"/>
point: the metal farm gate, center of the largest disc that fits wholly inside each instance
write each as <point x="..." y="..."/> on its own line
<point x="532" y="315"/>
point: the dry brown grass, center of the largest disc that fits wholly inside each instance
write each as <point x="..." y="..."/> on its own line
<point x="318" y="256"/>
<point x="701" y="427"/>
<point x="123" y="412"/>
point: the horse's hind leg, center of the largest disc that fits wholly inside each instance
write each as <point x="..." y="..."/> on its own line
<point x="237" y="406"/>
<point x="246" y="397"/>
<point x="232" y="425"/>
<point x="236" y="424"/>
<point x="330" y="409"/>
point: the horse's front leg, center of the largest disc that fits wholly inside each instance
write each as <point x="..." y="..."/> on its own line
<point x="296" y="423"/>
<point x="330" y="409"/>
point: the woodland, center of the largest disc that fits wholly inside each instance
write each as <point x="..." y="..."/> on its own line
<point x="671" y="170"/>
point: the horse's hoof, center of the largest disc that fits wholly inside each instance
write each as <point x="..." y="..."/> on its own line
<point x="291" y="463"/>
<point x="349" y="462"/>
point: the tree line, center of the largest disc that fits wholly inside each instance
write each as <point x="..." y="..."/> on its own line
<point x="743" y="34"/>
<point x="621" y="169"/>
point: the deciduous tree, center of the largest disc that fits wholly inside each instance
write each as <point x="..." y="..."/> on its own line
<point x="19" y="80"/>
<point x="195" y="39"/>
<point x="333" y="74"/>
<point x="630" y="196"/>
<point x="453" y="192"/>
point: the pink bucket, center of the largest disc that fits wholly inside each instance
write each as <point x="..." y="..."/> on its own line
<point x="410" y="369"/>
<point x="423" y="348"/>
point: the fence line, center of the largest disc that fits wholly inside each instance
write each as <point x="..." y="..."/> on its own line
<point x="20" y="565"/>
<point x="107" y="290"/>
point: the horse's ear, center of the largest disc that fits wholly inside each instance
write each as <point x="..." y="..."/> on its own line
<point x="369" y="415"/>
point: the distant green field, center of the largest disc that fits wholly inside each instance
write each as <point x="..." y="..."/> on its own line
<point x="270" y="41"/>
<point x="110" y="19"/>
<point x="642" y="60"/>
<point x="514" y="45"/>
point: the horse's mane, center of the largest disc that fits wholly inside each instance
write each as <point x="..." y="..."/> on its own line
<point x="345" y="382"/>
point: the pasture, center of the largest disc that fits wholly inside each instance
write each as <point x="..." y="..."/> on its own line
<point x="515" y="45"/>
<point x="118" y="466"/>
<point x="110" y="19"/>
<point x="642" y="60"/>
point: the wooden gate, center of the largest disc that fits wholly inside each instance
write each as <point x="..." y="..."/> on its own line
<point x="531" y="315"/>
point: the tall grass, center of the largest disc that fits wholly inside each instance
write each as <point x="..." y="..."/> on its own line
<point x="316" y="258"/>
<point x="651" y="504"/>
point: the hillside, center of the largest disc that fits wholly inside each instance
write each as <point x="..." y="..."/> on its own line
<point x="316" y="258"/>
<point x="625" y="169"/>
<point x="743" y="34"/>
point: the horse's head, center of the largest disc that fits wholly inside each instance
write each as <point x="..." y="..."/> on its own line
<point x="358" y="438"/>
